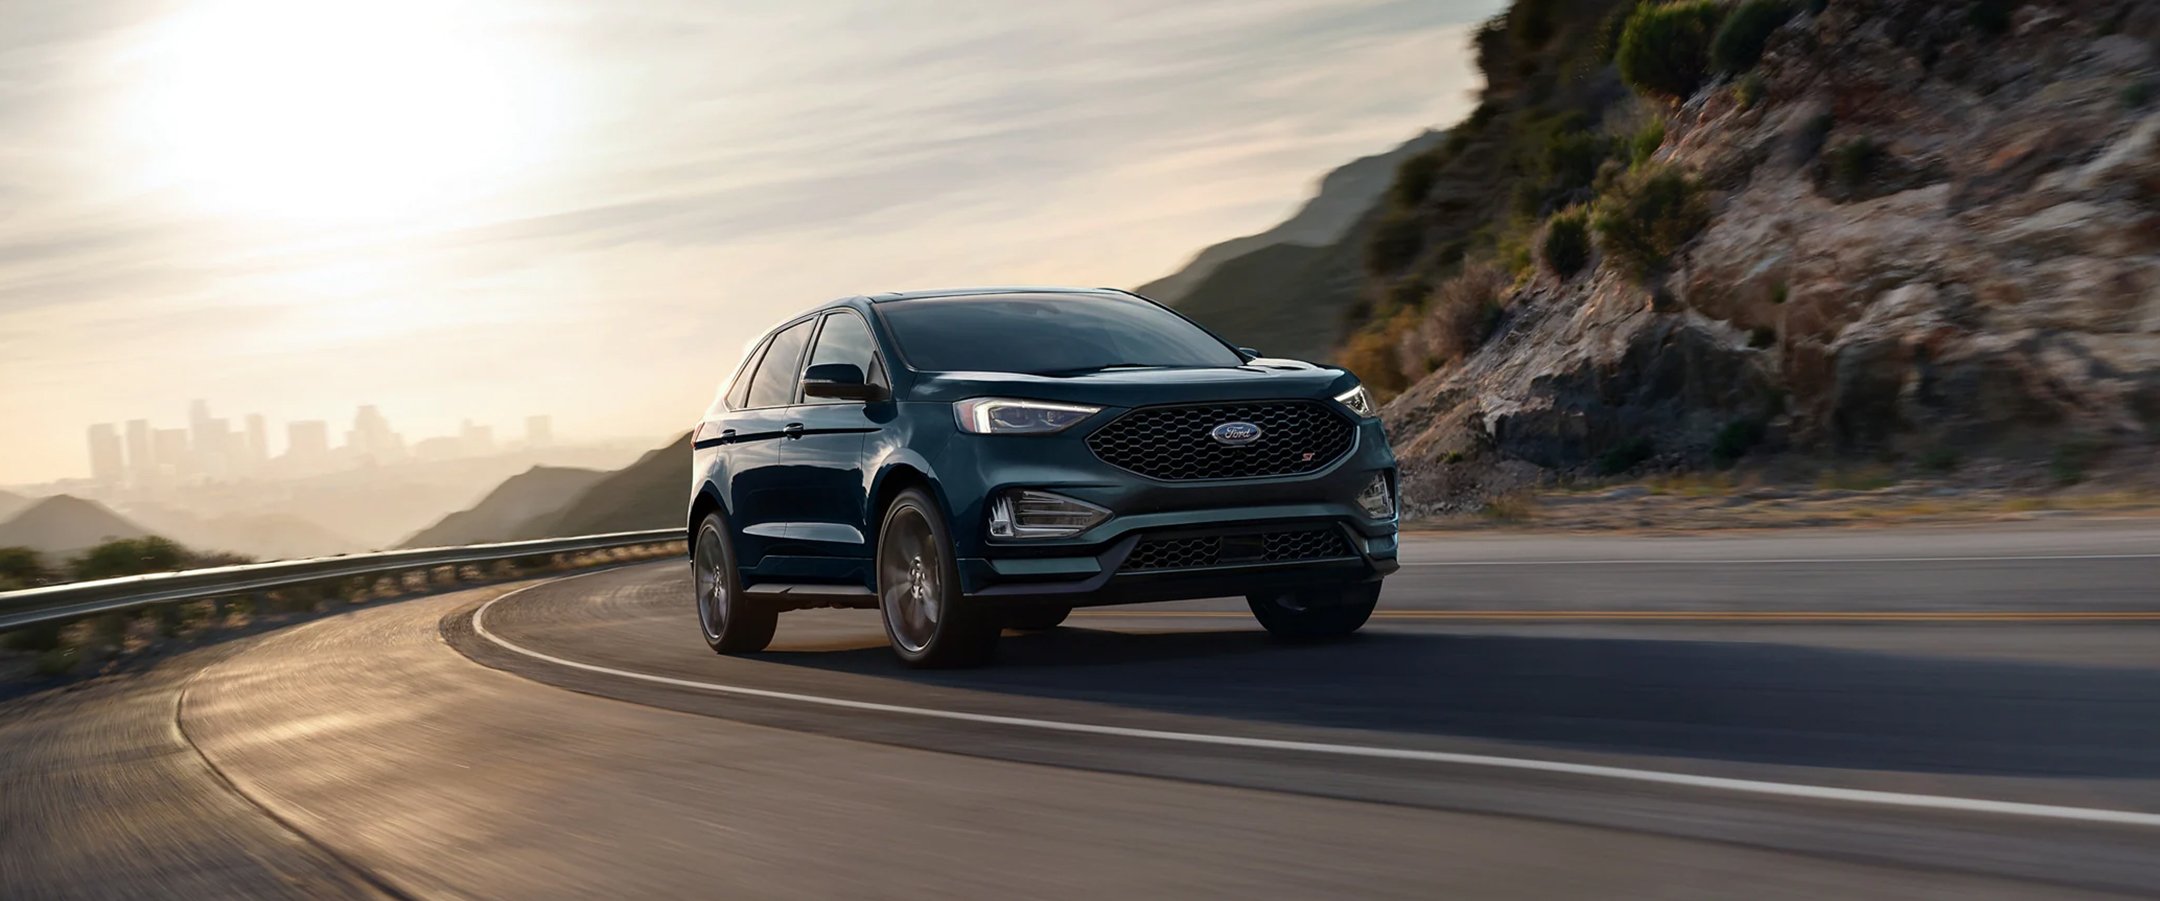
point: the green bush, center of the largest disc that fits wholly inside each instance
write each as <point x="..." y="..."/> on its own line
<point x="1735" y="440"/>
<point x="1625" y="456"/>
<point x="1853" y="162"/>
<point x="1395" y="241"/>
<point x="1749" y="90"/>
<point x="1761" y="336"/>
<point x="21" y="567"/>
<point x="129" y="557"/>
<point x="1567" y="243"/>
<point x="1650" y="218"/>
<point x="1940" y="459"/>
<point x="1415" y="177"/>
<point x="1646" y="142"/>
<point x="1665" y="49"/>
<point x="1739" y="43"/>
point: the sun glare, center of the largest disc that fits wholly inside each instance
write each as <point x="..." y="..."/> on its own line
<point x="339" y="111"/>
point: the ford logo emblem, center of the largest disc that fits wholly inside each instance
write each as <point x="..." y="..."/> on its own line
<point x="1235" y="433"/>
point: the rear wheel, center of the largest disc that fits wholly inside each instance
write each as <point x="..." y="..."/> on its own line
<point x="731" y="622"/>
<point x="1311" y="613"/>
<point x="1036" y="619"/>
<point x="928" y="621"/>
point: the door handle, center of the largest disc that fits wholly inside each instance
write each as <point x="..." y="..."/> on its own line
<point x="727" y="436"/>
<point x="792" y="430"/>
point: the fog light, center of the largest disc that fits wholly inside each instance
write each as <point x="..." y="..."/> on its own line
<point x="1040" y="514"/>
<point x="1377" y="500"/>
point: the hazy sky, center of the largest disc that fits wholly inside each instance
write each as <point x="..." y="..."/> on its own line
<point x="502" y="207"/>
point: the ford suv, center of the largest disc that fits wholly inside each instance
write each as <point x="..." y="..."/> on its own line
<point x="970" y="461"/>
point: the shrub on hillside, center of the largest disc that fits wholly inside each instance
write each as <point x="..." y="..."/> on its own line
<point x="1466" y="310"/>
<point x="1370" y="354"/>
<point x="1646" y="142"/>
<point x="21" y="567"/>
<point x="1735" y="440"/>
<point x="1649" y="218"/>
<point x="1854" y="162"/>
<point x="1739" y="43"/>
<point x="129" y="557"/>
<point x="1665" y="49"/>
<point x="1567" y="243"/>
<point x="1395" y="241"/>
<point x="1414" y="178"/>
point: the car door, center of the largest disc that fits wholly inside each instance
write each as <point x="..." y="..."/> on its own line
<point x="825" y="455"/>
<point x="758" y="487"/>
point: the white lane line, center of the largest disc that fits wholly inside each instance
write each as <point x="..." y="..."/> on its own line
<point x="1771" y="561"/>
<point x="1746" y="786"/>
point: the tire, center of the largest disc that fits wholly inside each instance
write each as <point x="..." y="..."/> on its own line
<point x="1036" y="619"/>
<point x="732" y="622"/>
<point x="927" y="620"/>
<point x="1315" y="613"/>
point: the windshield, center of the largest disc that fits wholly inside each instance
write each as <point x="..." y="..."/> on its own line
<point x="1043" y="334"/>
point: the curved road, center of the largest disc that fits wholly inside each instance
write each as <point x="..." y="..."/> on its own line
<point x="1956" y="714"/>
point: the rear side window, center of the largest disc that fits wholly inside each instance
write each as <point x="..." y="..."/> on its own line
<point x="739" y="393"/>
<point x="777" y="374"/>
<point x="845" y="340"/>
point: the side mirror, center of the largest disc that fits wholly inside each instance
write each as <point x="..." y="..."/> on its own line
<point x="840" y="381"/>
<point x="1249" y="353"/>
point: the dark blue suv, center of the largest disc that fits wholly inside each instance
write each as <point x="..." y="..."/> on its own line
<point x="975" y="460"/>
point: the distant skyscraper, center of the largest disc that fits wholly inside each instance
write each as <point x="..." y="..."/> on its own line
<point x="169" y="447"/>
<point x="539" y="431"/>
<point x="258" y="439"/>
<point x="142" y="466"/>
<point x="371" y="437"/>
<point x="107" y="466"/>
<point x="199" y="427"/>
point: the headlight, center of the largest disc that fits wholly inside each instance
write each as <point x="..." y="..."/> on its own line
<point x="1359" y="401"/>
<point x="1027" y="513"/>
<point x="1378" y="498"/>
<point x="1006" y="416"/>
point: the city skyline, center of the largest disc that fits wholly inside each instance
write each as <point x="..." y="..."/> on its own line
<point x="137" y="454"/>
<point x="591" y="208"/>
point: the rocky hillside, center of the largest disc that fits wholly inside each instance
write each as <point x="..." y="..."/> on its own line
<point x="1910" y="231"/>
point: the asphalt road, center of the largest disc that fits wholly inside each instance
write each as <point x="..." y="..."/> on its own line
<point x="1965" y="714"/>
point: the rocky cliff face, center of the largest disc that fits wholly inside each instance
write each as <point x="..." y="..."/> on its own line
<point x="1925" y="234"/>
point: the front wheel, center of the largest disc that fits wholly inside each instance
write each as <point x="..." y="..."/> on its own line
<point x="731" y="622"/>
<point x="1313" y="613"/>
<point x="927" y="619"/>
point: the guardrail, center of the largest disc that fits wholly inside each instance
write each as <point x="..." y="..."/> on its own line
<point x="76" y="600"/>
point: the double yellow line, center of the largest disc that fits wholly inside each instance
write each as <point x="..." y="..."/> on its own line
<point x="1708" y="616"/>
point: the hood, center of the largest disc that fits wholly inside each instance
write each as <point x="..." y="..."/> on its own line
<point x="1262" y="379"/>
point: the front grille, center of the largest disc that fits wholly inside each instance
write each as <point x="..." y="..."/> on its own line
<point x="1177" y="443"/>
<point x="1250" y="547"/>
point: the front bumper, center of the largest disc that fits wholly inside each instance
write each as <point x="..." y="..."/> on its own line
<point x="1105" y="577"/>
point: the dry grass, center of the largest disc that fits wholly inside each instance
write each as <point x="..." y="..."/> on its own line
<point x="1858" y="478"/>
<point x="1515" y="507"/>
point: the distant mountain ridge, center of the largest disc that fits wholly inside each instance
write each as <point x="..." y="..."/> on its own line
<point x="535" y="494"/>
<point x="652" y="493"/>
<point x="63" y="524"/>
<point x="1343" y="197"/>
<point x="11" y="504"/>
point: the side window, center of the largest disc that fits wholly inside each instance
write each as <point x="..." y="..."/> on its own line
<point x="846" y="339"/>
<point x="777" y="374"/>
<point x="739" y="393"/>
